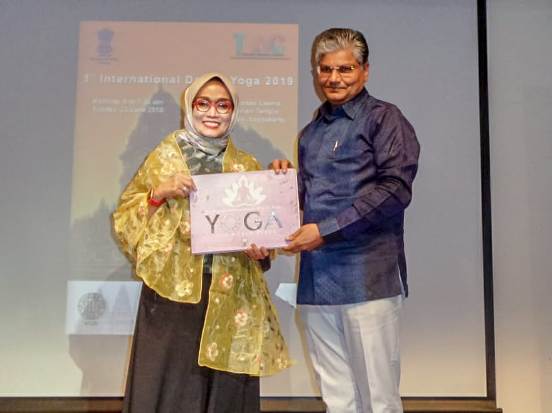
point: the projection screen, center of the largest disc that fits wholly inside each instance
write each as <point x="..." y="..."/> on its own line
<point x="89" y="87"/>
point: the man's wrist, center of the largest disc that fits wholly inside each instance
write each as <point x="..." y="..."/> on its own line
<point x="327" y="227"/>
<point x="329" y="230"/>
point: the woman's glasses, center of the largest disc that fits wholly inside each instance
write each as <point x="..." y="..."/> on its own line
<point x="222" y="106"/>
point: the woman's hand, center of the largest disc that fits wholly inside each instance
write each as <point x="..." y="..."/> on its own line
<point x="280" y="165"/>
<point x="256" y="253"/>
<point x="177" y="186"/>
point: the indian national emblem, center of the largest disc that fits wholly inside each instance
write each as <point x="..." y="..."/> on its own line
<point x="104" y="49"/>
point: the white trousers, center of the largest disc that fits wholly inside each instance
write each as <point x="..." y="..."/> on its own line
<point x="354" y="350"/>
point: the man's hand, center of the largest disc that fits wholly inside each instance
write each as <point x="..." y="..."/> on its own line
<point x="305" y="238"/>
<point x="280" y="165"/>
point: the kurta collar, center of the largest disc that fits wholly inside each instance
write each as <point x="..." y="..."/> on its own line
<point x="349" y="109"/>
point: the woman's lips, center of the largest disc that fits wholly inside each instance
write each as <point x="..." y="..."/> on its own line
<point x="211" y="124"/>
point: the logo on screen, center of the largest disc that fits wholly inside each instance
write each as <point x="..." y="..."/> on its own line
<point x="91" y="306"/>
<point x="270" y="46"/>
<point x="104" y="49"/>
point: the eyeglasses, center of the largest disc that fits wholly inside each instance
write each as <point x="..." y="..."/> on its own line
<point x="343" y="70"/>
<point x="222" y="106"/>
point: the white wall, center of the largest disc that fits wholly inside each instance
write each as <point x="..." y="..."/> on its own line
<point x="520" y="85"/>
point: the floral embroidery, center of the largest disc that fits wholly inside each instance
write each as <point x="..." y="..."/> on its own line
<point x="227" y="281"/>
<point x="185" y="227"/>
<point x="266" y="328"/>
<point x="212" y="351"/>
<point x="281" y="363"/>
<point x="184" y="289"/>
<point x="241" y="317"/>
<point x="141" y="211"/>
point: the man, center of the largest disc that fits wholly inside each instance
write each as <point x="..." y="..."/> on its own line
<point x="357" y="161"/>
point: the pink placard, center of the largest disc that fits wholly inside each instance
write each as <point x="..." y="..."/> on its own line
<point x="231" y="211"/>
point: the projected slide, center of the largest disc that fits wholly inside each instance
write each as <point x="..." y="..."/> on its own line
<point x="131" y="77"/>
<point x="97" y="85"/>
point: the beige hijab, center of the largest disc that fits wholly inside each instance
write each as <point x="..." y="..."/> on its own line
<point x="190" y="134"/>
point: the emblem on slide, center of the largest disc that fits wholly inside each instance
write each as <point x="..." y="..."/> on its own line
<point x="266" y="46"/>
<point x="104" y="49"/>
<point x="91" y="306"/>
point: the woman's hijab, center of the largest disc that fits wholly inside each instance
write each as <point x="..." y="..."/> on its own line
<point x="211" y="146"/>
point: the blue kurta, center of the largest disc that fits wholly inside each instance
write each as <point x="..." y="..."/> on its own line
<point x="357" y="162"/>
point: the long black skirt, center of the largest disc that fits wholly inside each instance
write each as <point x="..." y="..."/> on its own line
<point x="164" y="376"/>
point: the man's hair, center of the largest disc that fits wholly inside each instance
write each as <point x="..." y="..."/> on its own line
<point x="335" y="39"/>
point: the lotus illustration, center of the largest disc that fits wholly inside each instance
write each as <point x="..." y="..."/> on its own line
<point x="243" y="193"/>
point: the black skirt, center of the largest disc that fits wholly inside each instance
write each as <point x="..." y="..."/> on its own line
<point x="164" y="376"/>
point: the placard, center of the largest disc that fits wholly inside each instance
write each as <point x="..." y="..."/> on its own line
<point x="231" y="211"/>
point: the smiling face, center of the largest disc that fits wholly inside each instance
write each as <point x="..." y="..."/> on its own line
<point x="214" y="97"/>
<point x="337" y="87"/>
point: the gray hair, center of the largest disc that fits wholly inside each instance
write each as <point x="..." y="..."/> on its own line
<point x="335" y="39"/>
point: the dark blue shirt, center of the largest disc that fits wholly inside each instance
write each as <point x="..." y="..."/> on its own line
<point x="357" y="162"/>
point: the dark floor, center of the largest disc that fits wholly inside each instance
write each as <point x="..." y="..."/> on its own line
<point x="268" y="405"/>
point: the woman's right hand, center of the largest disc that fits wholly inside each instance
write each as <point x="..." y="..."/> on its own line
<point x="177" y="186"/>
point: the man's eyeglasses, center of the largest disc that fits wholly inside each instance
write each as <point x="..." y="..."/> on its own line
<point x="343" y="70"/>
<point x="222" y="106"/>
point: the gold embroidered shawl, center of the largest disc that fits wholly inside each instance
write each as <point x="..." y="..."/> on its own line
<point x="241" y="333"/>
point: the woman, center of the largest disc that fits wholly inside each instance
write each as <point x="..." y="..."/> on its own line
<point x="206" y="329"/>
